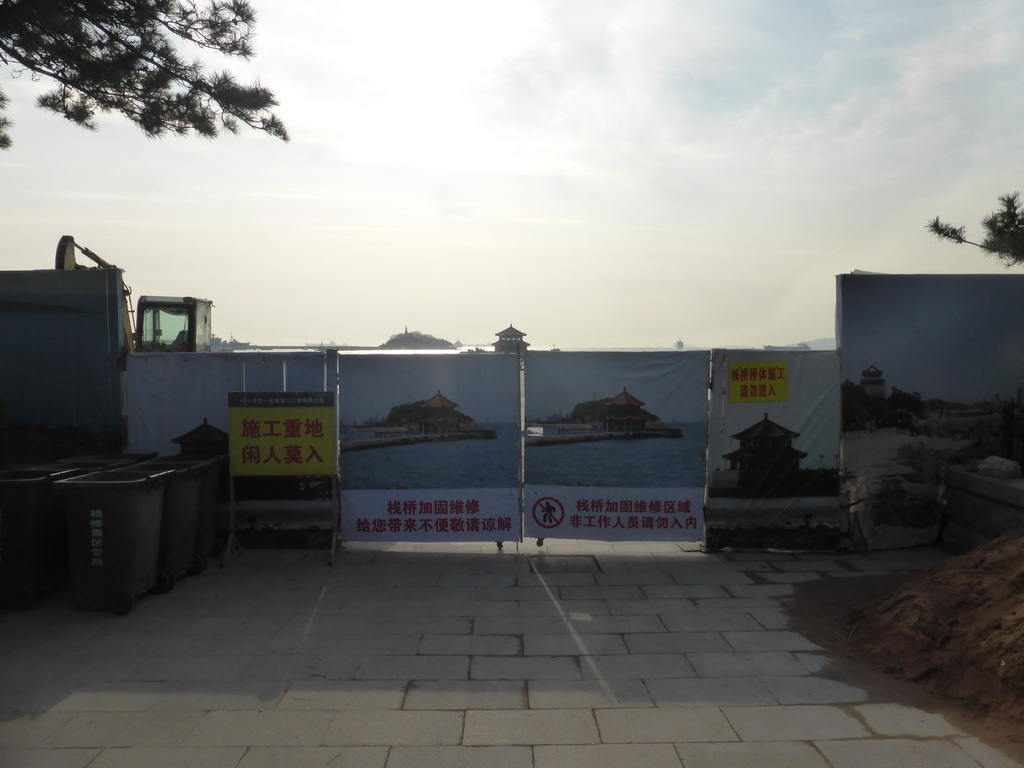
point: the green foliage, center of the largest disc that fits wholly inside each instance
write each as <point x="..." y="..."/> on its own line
<point x="125" y="56"/>
<point x="1004" y="229"/>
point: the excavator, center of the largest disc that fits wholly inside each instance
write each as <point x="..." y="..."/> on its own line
<point x="159" y="323"/>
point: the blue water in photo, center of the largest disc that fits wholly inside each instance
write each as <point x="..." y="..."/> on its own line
<point x="453" y="464"/>
<point x="646" y="463"/>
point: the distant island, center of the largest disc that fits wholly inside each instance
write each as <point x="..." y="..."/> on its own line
<point x="416" y="340"/>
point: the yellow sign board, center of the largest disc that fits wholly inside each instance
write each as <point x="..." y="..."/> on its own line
<point x="282" y="433"/>
<point x="759" y="382"/>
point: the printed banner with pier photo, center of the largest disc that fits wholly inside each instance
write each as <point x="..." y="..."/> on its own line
<point x="773" y="450"/>
<point x="430" y="447"/>
<point x="614" y="445"/>
<point x="932" y="371"/>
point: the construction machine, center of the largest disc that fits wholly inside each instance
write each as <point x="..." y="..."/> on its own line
<point x="159" y="323"/>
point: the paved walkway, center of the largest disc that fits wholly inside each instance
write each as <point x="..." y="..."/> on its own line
<point x="459" y="655"/>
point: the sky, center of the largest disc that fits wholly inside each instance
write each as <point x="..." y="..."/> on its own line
<point x="600" y="175"/>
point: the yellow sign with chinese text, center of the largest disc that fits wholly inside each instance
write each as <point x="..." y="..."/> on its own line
<point x="282" y="433"/>
<point x="759" y="382"/>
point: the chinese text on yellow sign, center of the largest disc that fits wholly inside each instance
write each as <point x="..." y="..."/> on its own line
<point x="759" y="382"/>
<point x="282" y="433"/>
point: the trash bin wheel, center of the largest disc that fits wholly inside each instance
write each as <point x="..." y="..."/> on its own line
<point x="164" y="582"/>
<point x="123" y="602"/>
<point x="22" y="598"/>
<point x="199" y="563"/>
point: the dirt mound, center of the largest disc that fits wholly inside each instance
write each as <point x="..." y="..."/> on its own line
<point x="958" y="627"/>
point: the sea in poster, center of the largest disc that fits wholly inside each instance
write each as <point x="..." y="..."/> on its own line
<point x="616" y="419"/>
<point x="469" y="463"/>
<point x="641" y="463"/>
<point x="429" y="421"/>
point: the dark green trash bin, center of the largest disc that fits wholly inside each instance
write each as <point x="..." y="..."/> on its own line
<point x="33" y="535"/>
<point x="179" y="554"/>
<point x="113" y="519"/>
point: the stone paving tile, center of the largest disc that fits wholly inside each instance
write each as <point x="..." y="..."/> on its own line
<point x="612" y="592"/>
<point x="551" y="580"/>
<point x="771" y="618"/>
<point x="370" y="644"/>
<point x="22" y="731"/>
<point x="636" y="666"/>
<point x="34" y="696"/>
<point x="701" y="575"/>
<point x="459" y="757"/>
<point x="587" y="694"/>
<point x="394" y="728"/>
<point x="425" y="625"/>
<point x="627" y="577"/>
<point x="528" y="727"/>
<point x="169" y="757"/>
<point x="901" y="720"/>
<point x="314" y="757"/>
<point x="649" y="726"/>
<point x="132" y="696"/>
<point x="563" y="607"/>
<point x="667" y="605"/>
<point x="327" y="667"/>
<point x="684" y="591"/>
<point x="790" y="578"/>
<point x="196" y="696"/>
<point x="124" y="729"/>
<point x="986" y="755"/>
<point x="555" y="625"/>
<point x="606" y="756"/>
<point x="332" y="695"/>
<point x="47" y="758"/>
<point x="735" y="603"/>
<point x="745" y="557"/>
<point x="467" y="694"/>
<point x="413" y="668"/>
<point x="524" y="668"/>
<point x="813" y="690"/>
<point x="512" y="594"/>
<point x="747" y="642"/>
<point x="677" y="642"/>
<point x="709" y="692"/>
<point x="270" y="728"/>
<point x="471" y="645"/>
<point x="761" y="664"/>
<point x="796" y="723"/>
<point x="807" y="564"/>
<point x="573" y="645"/>
<point x="709" y="622"/>
<point x="209" y="668"/>
<point x="752" y="753"/>
<point x="895" y="753"/>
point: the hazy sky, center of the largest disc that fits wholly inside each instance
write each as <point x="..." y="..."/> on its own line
<point x="601" y="174"/>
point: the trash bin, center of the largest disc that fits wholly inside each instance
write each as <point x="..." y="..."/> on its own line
<point x="113" y="519"/>
<point x="208" y="469"/>
<point x="94" y="462"/>
<point x="179" y="554"/>
<point x="33" y="535"/>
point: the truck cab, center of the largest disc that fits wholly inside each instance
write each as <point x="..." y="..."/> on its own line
<point x="173" y="324"/>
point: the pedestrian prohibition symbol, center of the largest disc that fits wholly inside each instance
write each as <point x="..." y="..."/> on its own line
<point x="548" y="512"/>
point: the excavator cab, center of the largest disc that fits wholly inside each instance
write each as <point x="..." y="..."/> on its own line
<point x="173" y="324"/>
<point x="163" y="323"/>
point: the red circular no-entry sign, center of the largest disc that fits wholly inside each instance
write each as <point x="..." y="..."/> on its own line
<point x="548" y="512"/>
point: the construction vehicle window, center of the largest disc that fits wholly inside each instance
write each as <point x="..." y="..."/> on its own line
<point x="164" y="330"/>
